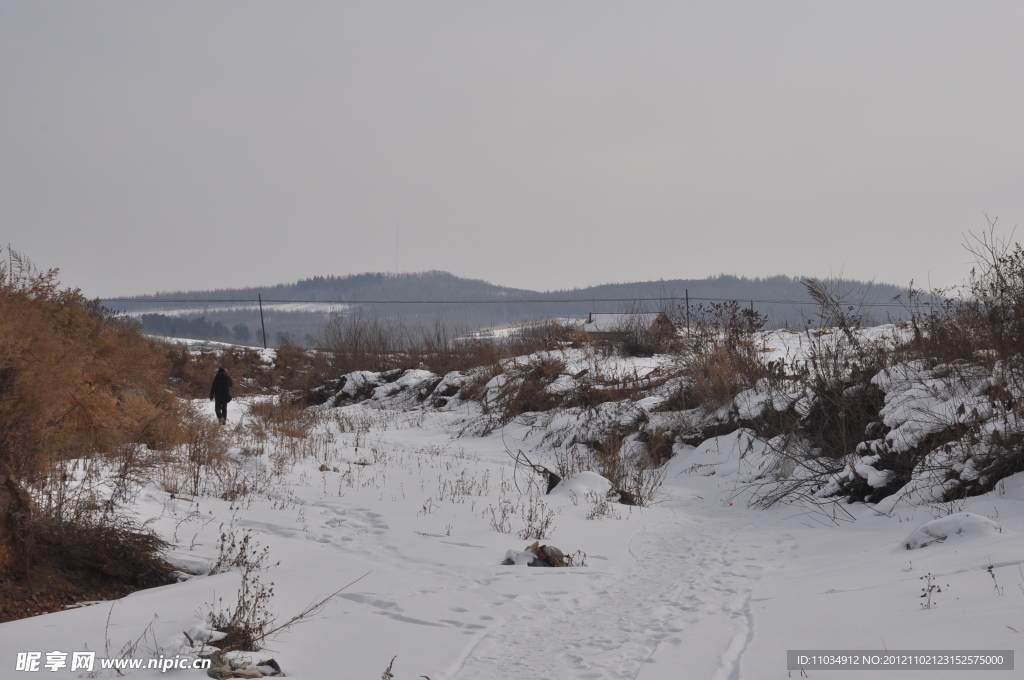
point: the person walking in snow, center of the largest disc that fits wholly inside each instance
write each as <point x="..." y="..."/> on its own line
<point x="220" y="394"/>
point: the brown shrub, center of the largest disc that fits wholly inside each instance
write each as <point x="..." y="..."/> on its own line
<point x="636" y="479"/>
<point x="73" y="379"/>
<point x="110" y="545"/>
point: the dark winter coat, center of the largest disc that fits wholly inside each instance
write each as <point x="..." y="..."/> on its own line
<point x="221" y="390"/>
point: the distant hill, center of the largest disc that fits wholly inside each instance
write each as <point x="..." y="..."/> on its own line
<point x="297" y="310"/>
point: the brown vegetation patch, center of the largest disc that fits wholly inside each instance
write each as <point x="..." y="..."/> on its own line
<point x="64" y="562"/>
<point x="365" y="341"/>
<point x="76" y="382"/>
<point x="282" y="418"/>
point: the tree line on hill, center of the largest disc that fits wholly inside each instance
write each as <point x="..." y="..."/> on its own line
<point x="199" y="328"/>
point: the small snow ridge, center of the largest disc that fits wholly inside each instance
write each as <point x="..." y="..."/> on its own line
<point x="958" y="524"/>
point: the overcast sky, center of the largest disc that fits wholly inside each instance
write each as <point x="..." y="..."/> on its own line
<point x="185" y="145"/>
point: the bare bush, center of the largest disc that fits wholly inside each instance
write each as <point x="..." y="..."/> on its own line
<point x="599" y="506"/>
<point x="248" y="620"/>
<point x="501" y="515"/>
<point x="635" y="476"/>
<point x="362" y="341"/>
<point x="638" y="336"/>
<point x="973" y="341"/>
<point x="88" y="549"/>
<point x="538" y="519"/>
<point x="526" y="391"/>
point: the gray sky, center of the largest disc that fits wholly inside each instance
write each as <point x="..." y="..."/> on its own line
<point x="186" y="145"/>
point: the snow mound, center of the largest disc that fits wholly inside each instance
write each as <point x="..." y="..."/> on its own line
<point x="958" y="524"/>
<point x="580" y="483"/>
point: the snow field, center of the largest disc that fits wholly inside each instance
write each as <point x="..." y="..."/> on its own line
<point x="697" y="586"/>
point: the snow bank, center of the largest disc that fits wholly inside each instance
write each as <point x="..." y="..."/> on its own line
<point x="958" y="525"/>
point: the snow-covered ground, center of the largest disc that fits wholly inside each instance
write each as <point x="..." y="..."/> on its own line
<point x="698" y="585"/>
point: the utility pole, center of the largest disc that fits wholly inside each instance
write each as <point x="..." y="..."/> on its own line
<point x="687" y="311"/>
<point x="259" y="296"/>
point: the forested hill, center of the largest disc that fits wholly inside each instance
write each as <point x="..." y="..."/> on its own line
<point x="432" y="285"/>
<point x="476" y="303"/>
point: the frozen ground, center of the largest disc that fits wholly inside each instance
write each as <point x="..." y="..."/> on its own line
<point x="697" y="586"/>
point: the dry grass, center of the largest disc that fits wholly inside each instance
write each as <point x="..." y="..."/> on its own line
<point x="718" y="358"/>
<point x="73" y="380"/>
<point x="364" y="341"/>
<point x="525" y="391"/>
<point x="278" y="418"/>
<point x="637" y="476"/>
<point x="716" y="376"/>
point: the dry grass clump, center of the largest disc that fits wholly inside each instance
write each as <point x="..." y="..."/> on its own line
<point x="1003" y="457"/>
<point x="659" y="442"/>
<point x="978" y="332"/>
<point x="529" y="386"/>
<point x="109" y="545"/>
<point x="716" y="376"/>
<point x="844" y="401"/>
<point x="974" y="341"/>
<point x="280" y="418"/>
<point x="248" y="620"/>
<point x="205" y="449"/>
<point x="719" y="356"/>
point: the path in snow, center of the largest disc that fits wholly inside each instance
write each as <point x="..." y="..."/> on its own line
<point x="687" y="597"/>
<point x="676" y="604"/>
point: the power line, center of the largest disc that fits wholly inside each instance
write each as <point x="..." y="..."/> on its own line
<point x="497" y="302"/>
